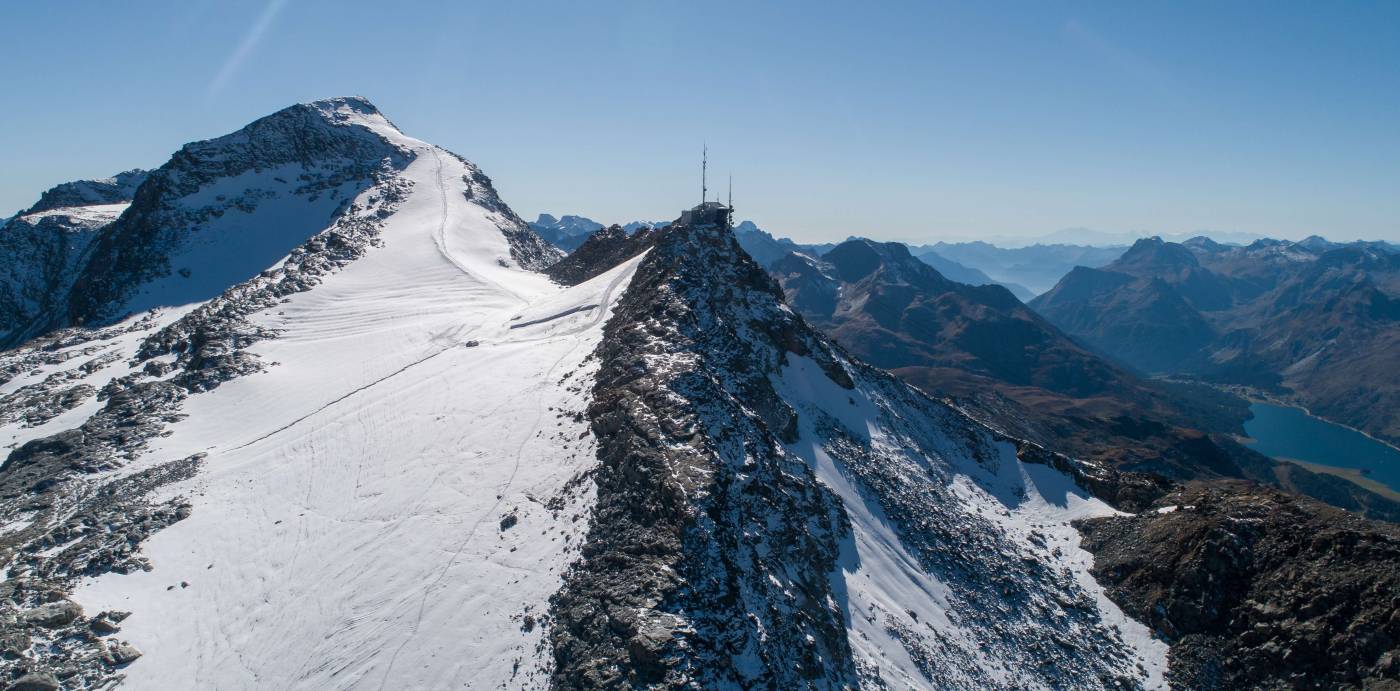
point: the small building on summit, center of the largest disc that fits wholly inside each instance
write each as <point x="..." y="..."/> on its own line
<point x="707" y="214"/>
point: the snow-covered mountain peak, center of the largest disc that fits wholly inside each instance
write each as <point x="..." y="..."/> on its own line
<point x="222" y="210"/>
<point x="345" y="128"/>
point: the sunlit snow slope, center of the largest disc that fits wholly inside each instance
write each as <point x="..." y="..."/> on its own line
<point x="347" y="527"/>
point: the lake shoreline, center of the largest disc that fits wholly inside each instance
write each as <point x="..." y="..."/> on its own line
<point x="1291" y="434"/>
<point x="1254" y="395"/>
<point x="1351" y="475"/>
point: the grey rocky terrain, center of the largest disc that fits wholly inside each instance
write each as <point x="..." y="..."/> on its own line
<point x="1257" y="588"/>
<point x="116" y="189"/>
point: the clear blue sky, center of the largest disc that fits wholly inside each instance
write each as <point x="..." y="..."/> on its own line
<point x="902" y="120"/>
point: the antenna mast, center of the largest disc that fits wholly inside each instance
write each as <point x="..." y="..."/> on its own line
<point x="704" y="164"/>
<point x="730" y="212"/>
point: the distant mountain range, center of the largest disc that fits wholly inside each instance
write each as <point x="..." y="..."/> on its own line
<point x="1038" y="267"/>
<point x="569" y="231"/>
<point x="1100" y="238"/>
<point x="1313" y="321"/>
<point x="997" y="357"/>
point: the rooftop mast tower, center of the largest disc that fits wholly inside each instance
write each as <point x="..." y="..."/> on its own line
<point x="730" y="212"/>
<point x="704" y="164"/>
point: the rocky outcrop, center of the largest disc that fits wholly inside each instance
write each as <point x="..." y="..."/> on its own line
<point x="1256" y="588"/>
<point x="116" y="189"/>
<point x="210" y="343"/>
<point x="698" y="502"/>
<point x="221" y="211"/>
<point x="70" y="531"/>
<point x="601" y="251"/>
<point x="43" y="252"/>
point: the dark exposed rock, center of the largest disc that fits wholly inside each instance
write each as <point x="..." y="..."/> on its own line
<point x="35" y="681"/>
<point x="120" y="654"/>
<point x="692" y="485"/>
<point x="337" y="158"/>
<point x="44" y="248"/>
<point x="1121" y="490"/>
<point x="209" y="347"/>
<point x="77" y="532"/>
<point x="601" y="251"/>
<point x="138" y="247"/>
<point x="1256" y="588"/>
<point x="118" y="188"/>
<point x="103" y="625"/>
<point x="54" y="614"/>
<point x="75" y="527"/>
<point x="1004" y="365"/>
<point x="210" y="343"/>
<point x="43" y="254"/>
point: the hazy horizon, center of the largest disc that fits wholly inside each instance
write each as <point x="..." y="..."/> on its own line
<point x="895" y="122"/>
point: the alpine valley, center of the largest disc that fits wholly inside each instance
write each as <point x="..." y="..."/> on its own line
<point x="310" y="407"/>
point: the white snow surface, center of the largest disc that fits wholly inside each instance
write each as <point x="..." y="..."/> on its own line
<point x="88" y="216"/>
<point x="347" y="525"/>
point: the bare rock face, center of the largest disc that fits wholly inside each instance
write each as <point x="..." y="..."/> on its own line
<point x="118" y="188"/>
<point x="601" y="251"/>
<point x="696" y="498"/>
<point x="1256" y="588"/>
<point x="324" y="157"/>
<point x="54" y="614"/>
<point x="43" y="250"/>
<point x="40" y="681"/>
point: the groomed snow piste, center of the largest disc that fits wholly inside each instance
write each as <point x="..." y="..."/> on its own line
<point x="347" y="529"/>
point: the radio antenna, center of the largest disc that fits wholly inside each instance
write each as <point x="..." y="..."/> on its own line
<point x="704" y="165"/>
<point x="730" y="212"/>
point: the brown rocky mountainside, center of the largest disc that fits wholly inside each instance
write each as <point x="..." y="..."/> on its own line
<point x="1256" y="588"/>
<point x="1005" y="364"/>
<point x="1311" y="322"/>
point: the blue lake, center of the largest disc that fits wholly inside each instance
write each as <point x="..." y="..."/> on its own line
<point x="1291" y="433"/>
